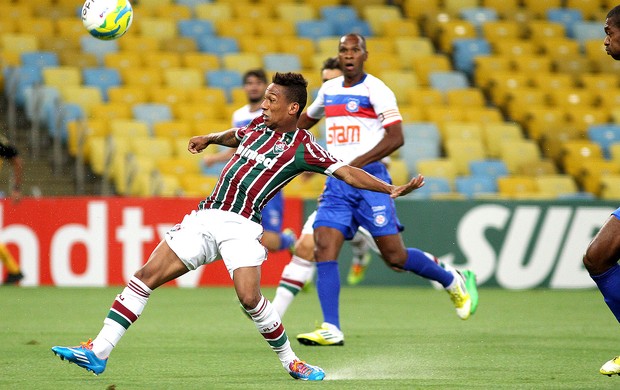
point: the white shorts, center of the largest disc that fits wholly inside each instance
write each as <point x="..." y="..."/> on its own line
<point x="205" y="235"/>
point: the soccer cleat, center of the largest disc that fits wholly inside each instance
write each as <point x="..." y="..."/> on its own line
<point x="299" y="369"/>
<point x="83" y="356"/>
<point x="357" y="272"/>
<point x="323" y="336"/>
<point x="612" y="367"/>
<point x="472" y="289"/>
<point x="460" y="297"/>
<point x="13" y="278"/>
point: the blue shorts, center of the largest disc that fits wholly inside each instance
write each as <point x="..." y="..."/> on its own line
<point x="616" y="213"/>
<point x="346" y="208"/>
<point x="273" y="213"/>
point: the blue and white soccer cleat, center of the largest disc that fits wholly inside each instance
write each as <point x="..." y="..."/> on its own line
<point x="83" y="356"/>
<point x="299" y="369"/>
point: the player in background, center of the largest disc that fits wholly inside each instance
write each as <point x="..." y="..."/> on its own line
<point x="300" y="270"/>
<point x="603" y="252"/>
<point x="10" y="153"/>
<point x="274" y="238"/>
<point x="363" y="126"/>
<point x="270" y="152"/>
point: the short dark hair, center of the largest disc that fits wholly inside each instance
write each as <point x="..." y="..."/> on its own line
<point x="296" y="88"/>
<point x="258" y="73"/>
<point x="331" y="63"/>
<point x="359" y="37"/>
<point x="614" y="16"/>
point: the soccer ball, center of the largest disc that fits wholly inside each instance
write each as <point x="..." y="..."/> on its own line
<point x="107" y="19"/>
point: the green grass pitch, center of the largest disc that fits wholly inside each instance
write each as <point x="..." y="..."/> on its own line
<point x="396" y="338"/>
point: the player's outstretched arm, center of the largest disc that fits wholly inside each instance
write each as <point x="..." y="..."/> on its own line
<point x="359" y="178"/>
<point x="198" y="143"/>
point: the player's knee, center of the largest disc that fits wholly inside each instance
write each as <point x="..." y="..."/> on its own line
<point x="248" y="301"/>
<point x="304" y="250"/>
<point x="394" y="261"/>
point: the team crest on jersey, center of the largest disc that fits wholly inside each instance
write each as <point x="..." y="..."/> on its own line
<point x="353" y="105"/>
<point x="380" y="219"/>
<point x="280" y="146"/>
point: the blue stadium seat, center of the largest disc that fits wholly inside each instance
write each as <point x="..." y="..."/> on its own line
<point x="224" y="79"/>
<point x="489" y="168"/>
<point x="416" y="131"/>
<point x="432" y="186"/>
<point x="421" y="149"/>
<point x="448" y="80"/>
<point x="18" y="79"/>
<point x="195" y="28"/>
<point x="587" y="30"/>
<point x="218" y="45"/>
<point x="98" y="47"/>
<point x="478" y="16"/>
<point x="605" y="135"/>
<point x="151" y="113"/>
<point x="471" y="186"/>
<point x="39" y="58"/>
<point x="354" y="26"/>
<point x="466" y="50"/>
<point x="39" y="102"/>
<point x="314" y="29"/>
<point x="103" y="78"/>
<point x="565" y="16"/>
<point x="58" y="119"/>
<point x="338" y="14"/>
<point x="275" y="62"/>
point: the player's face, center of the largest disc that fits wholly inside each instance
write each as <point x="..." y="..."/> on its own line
<point x="328" y="74"/>
<point x="277" y="110"/>
<point x="352" y="55"/>
<point x="254" y="89"/>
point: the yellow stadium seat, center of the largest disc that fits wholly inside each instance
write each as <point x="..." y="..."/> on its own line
<point x="516" y="187"/>
<point x="157" y="27"/>
<point x="236" y="28"/>
<point x="412" y="113"/>
<point x="198" y="185"/>
<point x="110" y="110"/>
<point x="139" y="176"/>
<point x="180" y="151"/>
<point x="172" y="130"/>
<point x="206" y="95"/>
<point x="277" y="28"/>
<point x="128" y="128"/>
<point x="19" y="42"/>
<point x="162" y="60"/>
<point x="78" y="133"/>
<point x="532" y="63"/>
<point x="560" y="48"/>
<point x="614" y="152"/>
<point x="123" y="60"/>
<point x="84" y="96"/>
<point x="177" y="166"/>
<point x="440" y="167"/>
<point x="539" y="8"/>
<point x="500" y="84"/>
<point x="610" y="187"/>
<point x="183" y="78"/>
<point x="142" y="76"/>
<point x="40" y="27"/>
<point x="127" y="95"/>
<point x="461" y="130"/>
<point x="400" y="82"/>
<point x="539" y="30"/>
<point x="544" y="166"/>
<point x="551" y="81"/>
<point x="166" y="185"/>
<point x="260" y="44"/>
<point x="383" y="63"/>
<point x="327" y="46"/>
<point x="515" y="154"/>
<point x="426" y="96"/>
<point x="380" y="46"/>
<point x="17" y="11"/>
<point x="174" y="12"/>
<point x="252" y="10"/>
<point x="62" y="76"/>
<point x="97" y="153"/>
<point x="167" y="95"/>
<point x="571" y="97"/>
<point x="295" y="12"/>
<point x="155" y="148"/>
<point x="599" y="83"/>
<point x="70" y="27"/>
<point x="482" y="114"/>
<point x="593" y="170"/>
<point x="77" y="58"/>
<point x="576" y="152"/>
<point x="520" y="100"/>
<point x="409" y="47"/>
<point x="397" y="28"/>
<point x="179" y="45"/>
<point x="423" y="66"/>
<point x="463" y="151"/>
<point x="201" y="61"/>
<point x="470" y="97"/>
<point x="582" y="117"/>
<point x="573" y="66"/>
<point x="495" y="133"/>
<point x="377" y="15"/>
<point x="421" y="10"/>
<point x="241" y="62"/>
<point x="302" y="47"/>
<point x="495" y="31"/>
<point x="305" y="186"/>
<point x="196" y="112"/>
<point x="398" y="171"/>
<point x="554" y="137"/>
<point x="556" y="185"/>
<point x="442" y="114"/>
<point x="485" y="66"/>
<point x="539" y="119"/>
<point x="138" y="43"/>
<point x="454" y="7"/>
<point x="590" y="9"/>
<point x="213" y="11"/>
<point x="451" y="30"/>
<point x="515" y="48"/>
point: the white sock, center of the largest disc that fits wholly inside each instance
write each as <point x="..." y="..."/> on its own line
<point x="294" y="276"/>
<point x="270" y="326"/>
<point x="125" y="310"/>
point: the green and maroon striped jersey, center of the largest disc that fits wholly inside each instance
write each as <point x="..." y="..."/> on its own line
<point x="264" y="162"/>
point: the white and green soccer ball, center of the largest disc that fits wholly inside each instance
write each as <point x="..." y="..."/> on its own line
<point x="107" y="19"/>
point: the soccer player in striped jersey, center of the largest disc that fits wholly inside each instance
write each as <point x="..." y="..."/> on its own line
<point x="602" y="254"/>
<point x="274" y="238"/>
<point x="270" y="152"/>
<point x="363" y="126"/>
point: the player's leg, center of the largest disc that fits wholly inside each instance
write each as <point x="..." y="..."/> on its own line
<point x="361" y="244"/>
<point x="299" y="271"/>
<point x="163" y="266"/>
<point x="601" y="261"/>
<point x="14" y="274"/>
<point x="274" y="238"/>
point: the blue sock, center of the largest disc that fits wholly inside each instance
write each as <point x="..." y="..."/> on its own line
<point x="609" y="284"/>
<point x="419" y="263"/>
<point x="328" y="289"/>
<point x="286" y="241"/>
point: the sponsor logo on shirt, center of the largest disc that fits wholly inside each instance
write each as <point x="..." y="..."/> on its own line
<point x="255" y="156"/>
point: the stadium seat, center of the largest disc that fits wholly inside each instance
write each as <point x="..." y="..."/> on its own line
<point x="424" y="66"/>
<point x="568" y="17"/>
<point x="213" y="11"/>
<point x="465" y="50"/>
<point x="39" y="58"/>
<point x="281" y="63"/>
<point x="106" y="111"/>
<point x="77" y="58"/>
<point x="532" y="64"/>
<point x="162" y="59"/>
<point x="61" y="76"/>
<point x="102" y="78"/>
<point x="127" y="94"/>
<point x="539" y="119"/>
<point x="157" y="27"/>
<point x="587" y="30"/>
<point x="452" y="30"/>
<point x="426" y="96"/>
<point x="400" y="28"/>
<point x="84" y="96"/>
<point x="241" y="62"/>
<point x="129" y="128"/>
<point x="201" y="61"/>
<point x="463" y="151"/>
<point x="539" y="9"/>
<point x="254" y="11"/>
<point x="515" y="47"/>
<point x="420" y="149"/>
<point x="196" y="28"/>
<point x="592" y="171"/>
<point x="475" y="186"/>
<point x="409" y="47"/>
<point x="496" y="31"/>
<point x="79" y="131"/>
<point x="576" y="152"/>
<point x="516" y="154"/>
<point x="544" y="166"/>
<point x="235" y="28"/>
<point x="295" y="12"/>
<point x="492" y="168"/>
<point x="278" y="28"/>
<point x="420" y="131"/>
<point x="123" y="60"/>
<point x="478" y="16"/>
<point x="517" y="187"/>
<point x="175" y="11"/>
<point x="433" y="186"/>
<point x="557" y="185"/>
<point x="167" y="95"/>
<point x="459" y="130"/>
<point x="172" y="130"/>
<point x="177" y="166"/>
<point x="438" y="167"/>
<point x="260" y="45"/>
<point x="485" y="66"/>
<point x="225" y="79"/>
<point x="304" y="48"/>
<point x="496" y="133"/>
<point x="138" y="44"/>
<point x="469" y="97"/>
<point x="610" y="187"/>
<point x="378" y="14"/>
<point x="150" y="113"/>
<point x="218" y="45"/>
<point x="20" y="78"/>
<point x="605" y="135"/>
<point x="179" y="45"/>
<point x="198" y="185"/>
<point x="144" y="76"/>
<point x="315" y="29"/>
<point x="538" y="31"/>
